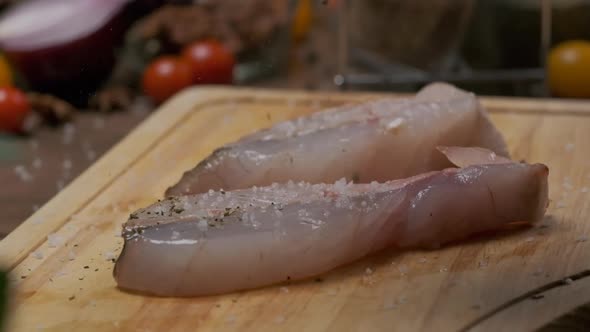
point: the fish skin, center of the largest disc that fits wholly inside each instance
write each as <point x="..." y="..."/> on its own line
<point x="375" y="141"/>
<point x="193" y="245"/>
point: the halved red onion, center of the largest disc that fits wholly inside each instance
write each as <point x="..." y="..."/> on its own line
<point x="63" y="46"/>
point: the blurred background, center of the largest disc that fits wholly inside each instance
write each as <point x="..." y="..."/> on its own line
<point x="78" y="75"/>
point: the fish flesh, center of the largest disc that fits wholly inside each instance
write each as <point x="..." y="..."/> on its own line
<point x="375" y="141"/>
<point x="224" y="241"/>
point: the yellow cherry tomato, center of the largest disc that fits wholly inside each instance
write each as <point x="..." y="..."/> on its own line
<point x="568" y="69"/>
<point x="5" y="72"/>
<point x="302" y="19"/>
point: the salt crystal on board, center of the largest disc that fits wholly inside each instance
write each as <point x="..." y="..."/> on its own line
<point x="54" y="240"/>
<point x="389" y="304"/>
<point x="109" y="255"/>
<point x="37" y="163"/>
<point x="37" y="254"/>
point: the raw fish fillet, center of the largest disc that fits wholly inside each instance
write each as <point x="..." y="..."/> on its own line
<point x="226" y="241"/>
<point x="375" y="141"/>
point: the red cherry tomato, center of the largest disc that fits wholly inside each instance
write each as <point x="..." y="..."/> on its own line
<point x="14" y="108"/>
<point x="166" y="76"/>
<point x="212" y="63"/>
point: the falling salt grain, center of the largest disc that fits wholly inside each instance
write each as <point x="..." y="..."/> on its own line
<point x="54" y="240"/>
<point x="284" y="290"/>
<point x="368" y="271"/>
<point x="443" y="269"/>
<point x="67" y="164"/>
<point x="569" y="147"/>
<point x="422" y="260"/>
<point x="529" y="239"/>
<point x="37" y="254"/>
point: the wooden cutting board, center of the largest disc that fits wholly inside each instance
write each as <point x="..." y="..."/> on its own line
<point x="65" y="283"/>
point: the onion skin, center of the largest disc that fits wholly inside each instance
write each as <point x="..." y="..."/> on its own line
<point x="75" y="69"/>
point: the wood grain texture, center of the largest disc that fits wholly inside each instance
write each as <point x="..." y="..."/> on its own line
<point x="69" y="287"/>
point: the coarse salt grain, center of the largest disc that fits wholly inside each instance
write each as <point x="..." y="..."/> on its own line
<point x="443" y="269"/>
<point x="568" y="281"/>
<point x="38" y="254"/>
<point x="109" y="255"/>
<point x="54" y="240"/>
<point x="395" y="124"/>
<point x="284" y="290"/>
<point x="368" y="271"/>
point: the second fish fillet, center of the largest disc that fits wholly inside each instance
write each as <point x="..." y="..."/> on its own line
<point x="375" y="141"/>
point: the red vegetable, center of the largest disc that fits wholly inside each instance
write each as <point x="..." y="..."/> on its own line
<point x="14" y="108"/>
<point x="212" y="63"/>
<point x="166" y="76"/>
<point x="63" y="46"/>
